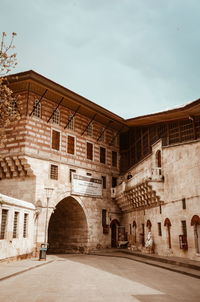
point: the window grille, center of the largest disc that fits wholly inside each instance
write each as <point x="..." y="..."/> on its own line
<point x="90" y="151"/>
<point x="4" y="217"/>
<point x="56" y="117"/>
<point x="184" y="228"/>
<point x="25" y="227"/>
<point x="71" y="122"/>
<point x="37" y="109"/>
<point x="183" y="203"/>
<point x="159" y="229"/>
<point x="55" y="142"/>
<point x="114" y="159"/>
<point x="89" y="130"/>
<point x="102" y="155"/>
<point x="15" y="225"/>
<point x="54" y="172"/>
<point x="70" y="144"/>
<point x="13" y="108"/>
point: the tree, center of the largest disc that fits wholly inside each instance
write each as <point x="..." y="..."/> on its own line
<point x="8" y="103"/>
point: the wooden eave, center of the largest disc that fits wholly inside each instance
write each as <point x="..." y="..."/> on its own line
<point x="36" y="83"/>
<point x="189" y="110"/>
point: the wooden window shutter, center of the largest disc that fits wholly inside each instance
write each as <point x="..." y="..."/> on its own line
<point x="70" y="145"/>
<point x="55" y="140"/>
<point x="114" y="159"/>
<point x="102" y="155"/>
<point x="90" y="151"/>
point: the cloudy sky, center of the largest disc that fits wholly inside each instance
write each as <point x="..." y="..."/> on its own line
<point x="133" y="57"/>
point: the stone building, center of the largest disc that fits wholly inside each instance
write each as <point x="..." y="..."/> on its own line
<point x="97" y="180"/>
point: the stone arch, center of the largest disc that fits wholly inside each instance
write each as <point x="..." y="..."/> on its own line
<point x="195" y="221"/>
<point x="148" y="225"/>
<point x="167" y="223"/>
<point x="68" y="228"/>
<point x="158" y="159"/>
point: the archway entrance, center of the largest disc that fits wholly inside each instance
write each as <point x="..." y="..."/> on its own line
<point x="113" y="226"/>
<point x="67" y="227"/>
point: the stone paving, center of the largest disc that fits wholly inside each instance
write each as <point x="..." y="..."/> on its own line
<point x="86" y="278"/>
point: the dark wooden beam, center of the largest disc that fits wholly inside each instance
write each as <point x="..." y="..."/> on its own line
<point x="104" y="129"/>
<point x="55" y="109"/>
<point x="75" y="112"/>
<point x="116" y="134"/>
<point x="92" y="119"/>
<point x="35" y="106"/>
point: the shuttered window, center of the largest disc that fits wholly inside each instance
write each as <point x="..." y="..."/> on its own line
<point x="54" y="172"/>
<point x="4" y="217"/>
<point x="70" y="144"/>
<point x="114" y="159"/>
<point x="90" y="151"/>
<point x="102" y="155"/>
<point x="25" y="226"/>
<point x="55" y="143"/>
<point x="15" y="225"/>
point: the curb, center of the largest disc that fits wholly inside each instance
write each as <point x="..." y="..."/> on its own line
<point x="25" y="270"/>
<point x="176" y="270"/>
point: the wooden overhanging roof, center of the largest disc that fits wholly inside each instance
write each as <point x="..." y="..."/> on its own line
<point x="34" y="82"/>
<point x="184" y="112"/>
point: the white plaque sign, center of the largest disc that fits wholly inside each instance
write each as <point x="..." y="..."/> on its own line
<point x="84" y="185"/>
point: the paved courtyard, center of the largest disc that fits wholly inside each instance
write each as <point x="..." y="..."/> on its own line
<point x="73" y="278"/>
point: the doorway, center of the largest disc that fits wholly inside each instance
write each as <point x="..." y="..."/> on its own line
<point x="67" y="227"/>
<point x="113" y="225"/>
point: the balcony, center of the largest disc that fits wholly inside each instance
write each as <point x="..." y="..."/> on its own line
<point x="144" y="189"/>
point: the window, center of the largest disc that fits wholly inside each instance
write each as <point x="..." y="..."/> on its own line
<point x="71" y="171"/>
<point x="103" y="182"/>
<point x="89" y="130"/>
<point x="55" y="143"/>
<point x="25" y="227"/>
<point x="37" y="108"/>
<point x="56" y="117"/>
<point x="102" y="133"/>
<point x="4" y="217"/>
<point x="13" y="108"/>
<point x="70" y="144"/>
<point x="102" y="155"/>
<point x="70" y="122"/>
<point x="15" y="225"/>
<point x="114" y="182"/>
<point x="184" y="227"/>
<point x="54" y="172"/>
<point x="114" y="159"/>
<point x="104" y="220"/>
<point x="183" y="203"/>
<point x="90" y="151"/>
<point x="159" y="229"/>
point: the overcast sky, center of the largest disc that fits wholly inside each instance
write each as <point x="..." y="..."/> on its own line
<point x="132" y="57"/>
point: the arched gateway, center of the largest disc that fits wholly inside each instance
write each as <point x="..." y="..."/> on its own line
<point x="68" y="230"/>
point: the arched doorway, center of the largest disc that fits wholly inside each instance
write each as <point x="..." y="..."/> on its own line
<point x="113" y="225"/>
<point x="167" y="223"/>
<point x="67" y="227"/>
<point x="134" y="232"/>
<point x="195" y="221"/>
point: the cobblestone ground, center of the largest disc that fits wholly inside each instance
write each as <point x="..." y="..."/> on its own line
<point x="75" y="278"/>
